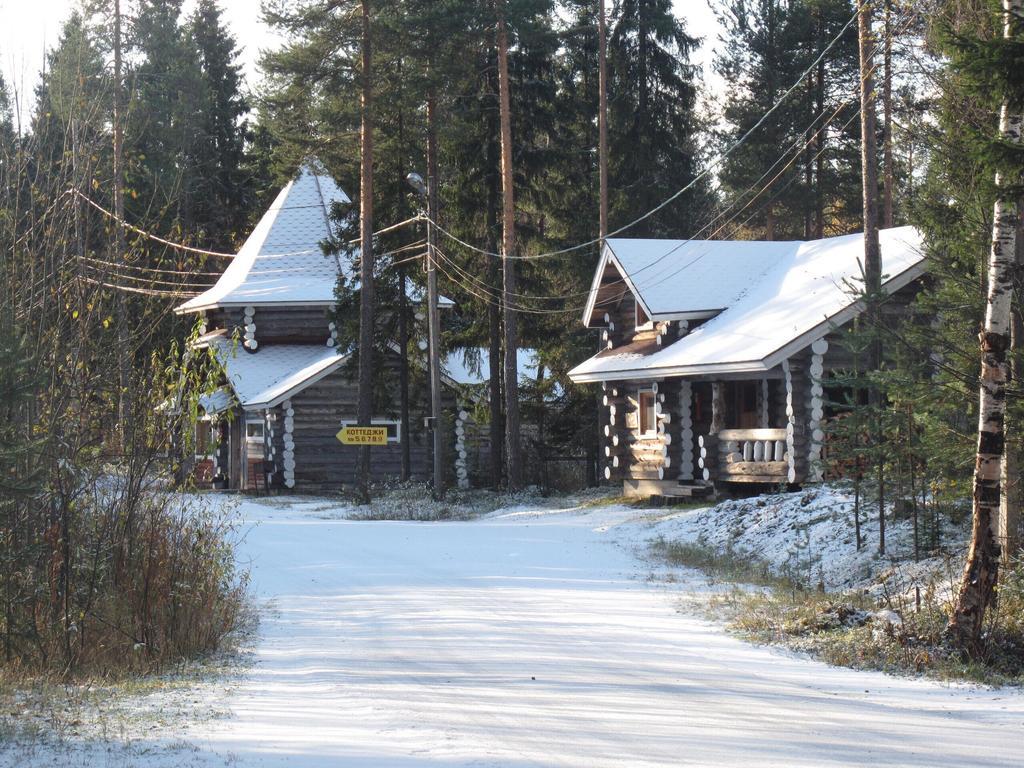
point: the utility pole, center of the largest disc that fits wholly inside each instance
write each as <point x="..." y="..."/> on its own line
<point x="513" y="451"/>
<point x="433" y="315"/>
<point x="403" y="299"/>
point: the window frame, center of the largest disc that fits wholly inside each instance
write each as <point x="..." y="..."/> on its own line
<point x="263" y="429"/>
<point x="379" y="423"/>
<point x="211" y="439"/>
<point x="652" y="430"/>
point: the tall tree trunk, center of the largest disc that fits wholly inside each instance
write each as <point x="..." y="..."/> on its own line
<point x="496" y="372"/>
<point x="512" y="445"/>
<point x="887" y="174"/>
<point x="366" y="297"/>
<point x="869" y="171"/>
<point x="124" y="362"/>
<point x="602" y="120"/>
<point x="602" y="165"/>
<point x="872" y="252"/>
<point x="981" y="570"/>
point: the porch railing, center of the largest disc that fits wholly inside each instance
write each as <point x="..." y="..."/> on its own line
<point x="752" y="455"/>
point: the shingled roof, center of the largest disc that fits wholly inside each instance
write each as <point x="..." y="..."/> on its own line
<point x="282" y="262"/>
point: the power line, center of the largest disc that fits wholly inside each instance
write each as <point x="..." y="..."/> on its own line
<point x="797" y="147"/>
<point x="676" y="195"/>
<point x="218" y="254"/>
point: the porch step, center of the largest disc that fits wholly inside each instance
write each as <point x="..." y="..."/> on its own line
<point x="664" y="488"/>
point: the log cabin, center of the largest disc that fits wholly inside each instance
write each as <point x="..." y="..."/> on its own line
<point x="715" y="354"/>
<point x="287" y="390"/>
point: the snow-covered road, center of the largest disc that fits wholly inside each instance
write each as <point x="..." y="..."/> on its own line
<point x="535" y="640"/>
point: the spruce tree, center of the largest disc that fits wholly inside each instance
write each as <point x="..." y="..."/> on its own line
<point x="653" y="128"/>
<point x="217" y="181"/>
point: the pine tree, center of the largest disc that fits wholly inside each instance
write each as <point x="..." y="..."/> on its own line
<point x="797" y="175"/>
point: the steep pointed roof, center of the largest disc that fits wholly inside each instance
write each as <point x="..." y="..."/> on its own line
<point x="282" y="263"/>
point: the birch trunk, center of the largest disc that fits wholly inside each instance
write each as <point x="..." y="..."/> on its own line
<point x="1010" y="503"/>
<point x="981" y="570"/>
<point x="513" y="453"/>
<point x="366" y="298"/>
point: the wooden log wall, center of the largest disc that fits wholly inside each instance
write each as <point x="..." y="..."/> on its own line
<point x="276" y="325"/>
<point x="321" y="461"/>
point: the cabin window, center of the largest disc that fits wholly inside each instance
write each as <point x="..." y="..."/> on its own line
<point x="648" y="418"/>
<point x="205" y="441"/>
<point x="254" y="430"/>
<point x="642" y="321"/>
<point x="394" y="428"/>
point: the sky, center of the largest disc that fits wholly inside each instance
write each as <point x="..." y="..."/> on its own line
<point x="29" y="27"/>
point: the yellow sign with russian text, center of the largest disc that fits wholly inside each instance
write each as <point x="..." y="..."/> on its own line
<point x="363" y="435"/>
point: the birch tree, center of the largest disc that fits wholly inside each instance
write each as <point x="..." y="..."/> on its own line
<point x="981" y="570"/>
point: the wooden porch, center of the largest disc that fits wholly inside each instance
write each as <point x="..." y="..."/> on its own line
<point x="748" y="455"/>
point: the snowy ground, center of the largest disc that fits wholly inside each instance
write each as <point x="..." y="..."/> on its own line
<point x="529" y="637"/>
<point x="809" y="536"/>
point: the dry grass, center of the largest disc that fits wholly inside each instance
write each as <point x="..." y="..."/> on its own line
<point x="895" y="633"/>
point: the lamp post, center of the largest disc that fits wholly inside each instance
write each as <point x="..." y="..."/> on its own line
<point x="428" y="192"/>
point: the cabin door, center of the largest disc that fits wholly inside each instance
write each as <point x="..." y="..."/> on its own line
<point x="741" y="405"/>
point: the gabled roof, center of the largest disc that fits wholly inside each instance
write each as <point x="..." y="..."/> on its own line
<point x="282" y="263"/>
<point x="681" y="279"/>
<point x="277" y="372"/>
<point x="804" y="293"/>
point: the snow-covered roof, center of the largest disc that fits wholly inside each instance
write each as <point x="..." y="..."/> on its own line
<point x="217" y="401"/>
<point x="461" y="368"/>
<point x="282" y="262"/>
<point x="674" y="279"/>
<point x="809" y="288"/>
<point x="275" y="373"/>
